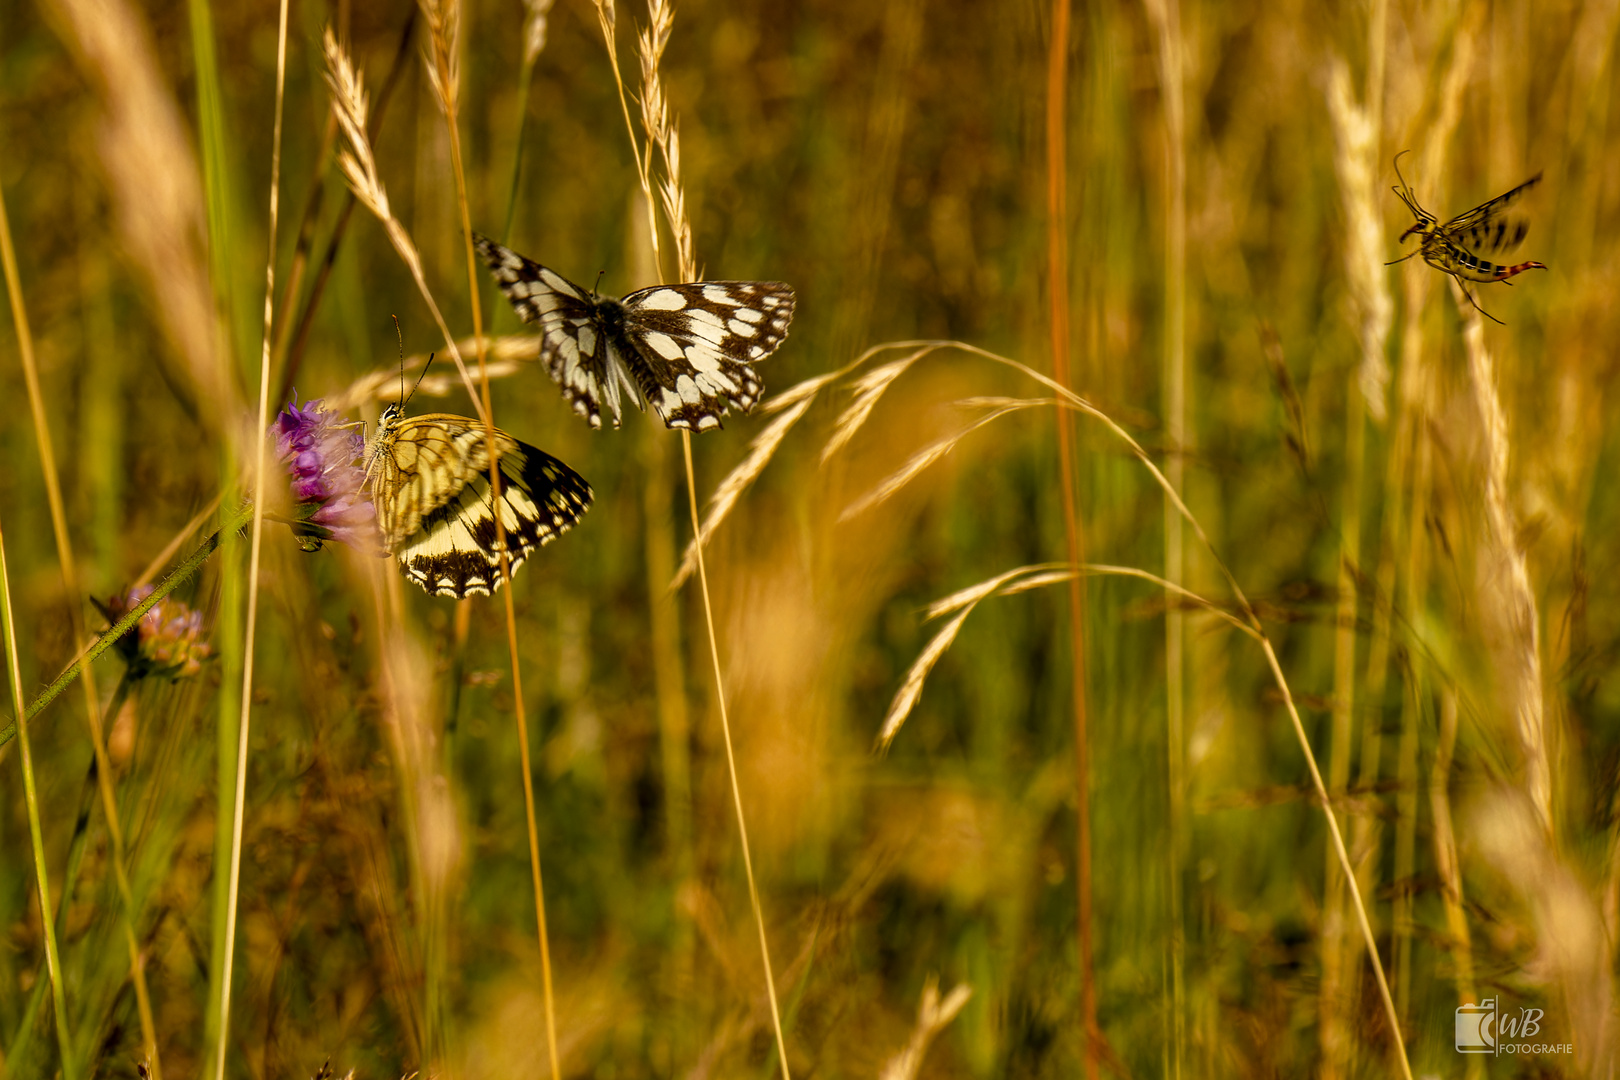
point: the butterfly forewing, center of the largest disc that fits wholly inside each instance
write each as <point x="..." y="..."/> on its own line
<point x="436" y="511"/>
<point x="688" y="350"/>
<point x="1486" y="211"/>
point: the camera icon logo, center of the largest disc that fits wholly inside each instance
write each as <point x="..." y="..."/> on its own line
<point x="1476" y="1028"/>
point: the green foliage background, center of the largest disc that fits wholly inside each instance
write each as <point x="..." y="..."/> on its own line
<point x="889" y="160"/>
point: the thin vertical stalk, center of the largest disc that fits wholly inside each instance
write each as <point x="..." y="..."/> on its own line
<point x="674" y="719"/>
<point x="1413" y="594"/>
<point x="1057" y="226"/>
<point x="1356" y="135"/>
<point x="1165" y="16"/>
<point x="731" y="763"/>
<point x="1446" y="861"/>
<point x="36" y="834"/>
<point x="245" y="710"/>
<point x="70" y="589"/>
<point x="537" y="881"/>
<point x="1334" y="1035"/>
<point x="444" y="38"/>
<point x="662" y="135"/>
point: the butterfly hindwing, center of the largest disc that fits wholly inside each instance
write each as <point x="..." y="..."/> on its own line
<point x="688" y="350"/>
<point x="696" y="344"/>
<point x="430" y="483"/>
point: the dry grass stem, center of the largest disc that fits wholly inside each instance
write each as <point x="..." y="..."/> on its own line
<point x="725" y="497"/>
<point x="1355" y="159"/>
<point x="1011" y="583"/>
<point x="1572" y="944"/>
<point x="661" y="134"/>
<point x="42" y="885"/>
<point x="155" y="183"/>
<point x="1356" y="150"/>
<point x="907" y="696"/>
<point x="359" y="166"/>
<point x="927" y="456"/>
<point x="911" y="689"/>
<point x="1509" y="599"/>
<point x="868" y="389"/>
<point x="796" y="401"/>
<point x="442" y="52"/>
<point x="933" y="1014"/>
<point x="815" y="383"/>
<point x="508" y="355"/>
<point x="536" y="14"/>
<point x="1102" y="185"/>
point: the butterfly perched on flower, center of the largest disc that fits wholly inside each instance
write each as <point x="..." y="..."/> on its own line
<point x="687" y="350"/>
<point x="429" y="479"/>
<point x="1451" y="247"/>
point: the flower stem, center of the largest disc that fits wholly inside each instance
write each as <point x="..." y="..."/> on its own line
<point x="176" y="576"/>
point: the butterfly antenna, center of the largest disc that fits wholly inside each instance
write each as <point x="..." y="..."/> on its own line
<point x="420" y="377"/>
<point x="596" y="289"/>
<point x="1404" y="190"/>
<point x="1397" y="164"/>
<point x="399" y="335"/>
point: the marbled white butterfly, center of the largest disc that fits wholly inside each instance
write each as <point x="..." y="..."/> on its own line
<point x="429" y="479"/>
<point x="686" y="350"/>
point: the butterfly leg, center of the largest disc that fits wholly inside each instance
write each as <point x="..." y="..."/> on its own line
<point x="1464" y="287"/>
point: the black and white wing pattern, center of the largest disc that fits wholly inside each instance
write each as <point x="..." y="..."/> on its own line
<point x="429" y="479"/>
<point x="687" y="350"/>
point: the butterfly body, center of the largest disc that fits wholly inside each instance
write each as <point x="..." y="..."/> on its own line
<point x="687" y="350"/>
<point x="1450" y="247"/>
<point x="429" y="479"/>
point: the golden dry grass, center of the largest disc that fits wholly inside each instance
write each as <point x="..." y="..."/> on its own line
<point x="1412" y="500"/>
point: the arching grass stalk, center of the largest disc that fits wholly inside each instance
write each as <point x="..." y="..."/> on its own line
<point x="1071" y="400"/>
<point x="175" y="577"/>
<point x="1068" y="399"/>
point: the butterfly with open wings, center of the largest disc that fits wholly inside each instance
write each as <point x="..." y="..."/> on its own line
<point x="1451" y="247"/>
<point x="429" y="479"/>
<point x="687" y="350"/>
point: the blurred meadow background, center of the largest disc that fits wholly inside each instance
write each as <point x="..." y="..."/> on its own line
<point x="1181" y="211"/>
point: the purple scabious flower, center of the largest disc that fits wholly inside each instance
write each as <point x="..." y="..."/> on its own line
<point x="320" y="452"/>
<point x="168" y="640"/>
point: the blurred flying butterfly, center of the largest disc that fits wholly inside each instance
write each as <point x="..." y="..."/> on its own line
<point x="429" y="479"/>
<point x="687" y="350"/>
<point x="1450" y="247"/>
